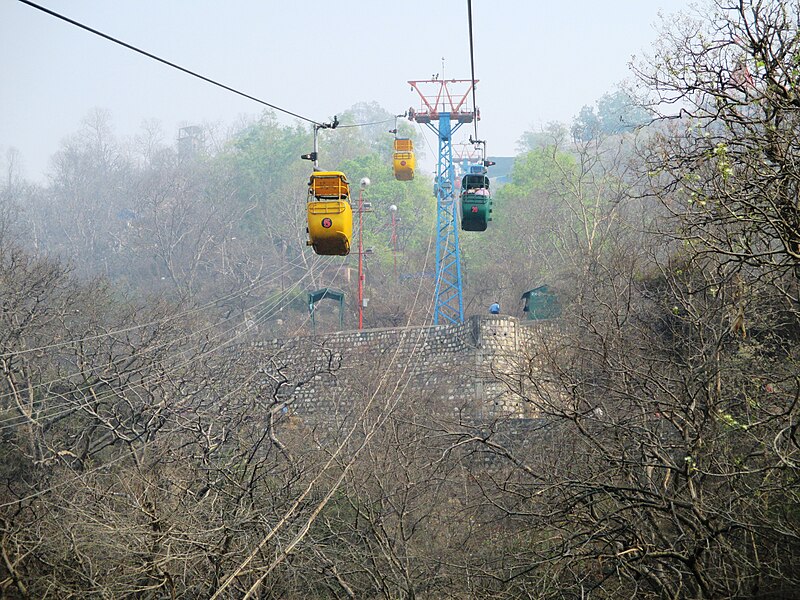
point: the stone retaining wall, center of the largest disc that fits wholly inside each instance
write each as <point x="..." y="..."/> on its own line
<point x="466" y="370"/>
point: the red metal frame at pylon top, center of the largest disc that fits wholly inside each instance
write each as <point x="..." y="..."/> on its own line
<point x="466" y="151"/>
<point x="442" y="100"/>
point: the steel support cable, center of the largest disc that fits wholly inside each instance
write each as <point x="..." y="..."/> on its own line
<point x="111" y="462"/>
<point x="180" y="68"/>
<point x="213" y="82"/>
<point x="472" y="67"/>
<point x="366" y="124"/>
<point x="252" y="287"/>
<point x="192" y="73"/>
<point x="390" y="404"/>
<point x="163" y="61"/>
<point x="424" y="137"/>
<point x="103" y="466"/>
<point x="233" y="90"/>
<point x="60" y="411"/>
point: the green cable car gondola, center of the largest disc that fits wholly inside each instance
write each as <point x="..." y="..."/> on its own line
<point x="476" y="200"/>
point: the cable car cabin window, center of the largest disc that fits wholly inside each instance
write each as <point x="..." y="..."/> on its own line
<point x="329" y="184"/>
<point x="403" y="145"/>
<point x="474" y="182"/>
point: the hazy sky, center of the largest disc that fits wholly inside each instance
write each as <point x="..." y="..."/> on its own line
<point x="536" y="61"/>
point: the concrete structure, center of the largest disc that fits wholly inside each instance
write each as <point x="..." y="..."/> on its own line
<point x="471" y="371"/>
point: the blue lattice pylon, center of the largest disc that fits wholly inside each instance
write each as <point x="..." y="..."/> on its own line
<point x="444" y="113"/>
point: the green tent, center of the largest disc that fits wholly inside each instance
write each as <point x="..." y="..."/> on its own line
<point x="321" y="294"/>
<point x="541" y="303"/>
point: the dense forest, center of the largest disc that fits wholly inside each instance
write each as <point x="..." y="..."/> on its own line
<point x="144" y="454"/>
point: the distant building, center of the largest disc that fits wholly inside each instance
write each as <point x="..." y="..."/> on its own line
<point x="190" y="141"/>
<point x="500" y="172"/>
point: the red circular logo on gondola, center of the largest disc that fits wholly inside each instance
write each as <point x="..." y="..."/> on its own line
<point x="403" y="163"/>
<point x="326" y="222"/>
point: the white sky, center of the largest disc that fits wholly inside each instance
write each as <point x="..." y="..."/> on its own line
<point x="537" y="61"/>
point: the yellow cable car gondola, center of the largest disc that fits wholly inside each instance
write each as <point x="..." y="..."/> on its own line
<point x="330" y="217"/>
<point x="404" y="162"/>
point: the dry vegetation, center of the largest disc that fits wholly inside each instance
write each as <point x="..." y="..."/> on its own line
<point x="143" y="454"/>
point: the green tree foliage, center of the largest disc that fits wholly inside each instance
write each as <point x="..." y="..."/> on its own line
<point x="415" y="205"/>
<point x="376" y="137"/>
<point x="552" y="134"/>
<point x="551" y="220"/>
<point x="616" y="113"/>
<point x="262" y="155"/>
<point x="673" y="392"/>
<point x="733" y="170"/>
<point x="586" y="125"/>
<point x="517" y="250"/>
<point x="262" y="162"/>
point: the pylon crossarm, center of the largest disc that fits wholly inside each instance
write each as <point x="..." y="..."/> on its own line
<point x="442" y="99"/>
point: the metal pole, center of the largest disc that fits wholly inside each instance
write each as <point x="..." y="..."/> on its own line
<point x="394" y="244"/>
<point x="393" y="210"/>
<point x="361" y="258"/>
<point x="364" y="183"/>
<point x="316" y="148"/>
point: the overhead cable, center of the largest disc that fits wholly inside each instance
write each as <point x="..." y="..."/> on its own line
<point x="164" y="61"/>
<point x="366" y="124"/>
<point x="472" y="66"/>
